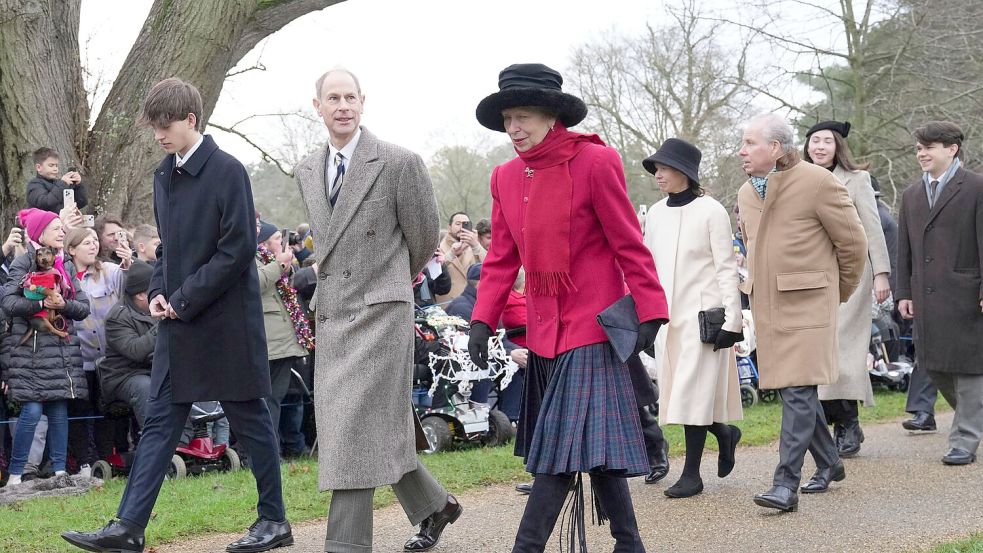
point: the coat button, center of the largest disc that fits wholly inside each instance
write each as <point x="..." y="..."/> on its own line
<point x="539" y="318"/>
<point x="929" y="290"/>
<point x="346" y="273"/>
<point x="929" y="227"/>
<point x="324" y="276"/>
<point x="322" y="318"/>
<point x="525" y="200"/>
<point x="351" y="318"/>
<point x="370" y="233"/>
<point x="928" y="260"/>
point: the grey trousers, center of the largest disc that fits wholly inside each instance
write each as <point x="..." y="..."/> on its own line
<point x="964" y="392"/>
<point x="350" y="514"/>
<point x="922" y="393"/>
<point x="803" y="428"/>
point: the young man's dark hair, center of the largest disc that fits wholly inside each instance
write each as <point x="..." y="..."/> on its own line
<point x="483" y="227"/>
<point x="171" y="100"/>
<point x="942" y="132"/>
<point x="450" y="220"/>
<point x="42" y="154"/>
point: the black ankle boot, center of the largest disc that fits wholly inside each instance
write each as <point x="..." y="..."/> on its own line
<point x="542" y="509"/>
<point x="853" y="436"/>
<point x="613" y="495"/>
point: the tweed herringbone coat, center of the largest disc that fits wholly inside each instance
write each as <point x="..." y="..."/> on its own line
<point x="379" y="235"/>
<point x="806" y="255"/>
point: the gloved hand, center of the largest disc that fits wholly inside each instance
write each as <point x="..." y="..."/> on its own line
<point x="478" y="343"/>
<point x="646" y="335"/>
<point x="726" y="339"/>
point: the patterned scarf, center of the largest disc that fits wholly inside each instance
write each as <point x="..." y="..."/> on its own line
<point x="287" y="293"/>
<point x="761" y="183"/>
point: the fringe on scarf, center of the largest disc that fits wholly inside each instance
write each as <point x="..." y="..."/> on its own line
<point x="543" y="283"/>
<point x="573" y="525"/>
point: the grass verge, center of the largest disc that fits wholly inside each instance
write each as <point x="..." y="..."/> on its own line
<point x="219" y="503"/>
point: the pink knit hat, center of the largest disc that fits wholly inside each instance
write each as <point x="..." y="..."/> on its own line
<point x="35" y="221"/>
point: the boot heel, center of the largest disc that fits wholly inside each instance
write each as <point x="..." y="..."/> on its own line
<point x="793" y="508"/>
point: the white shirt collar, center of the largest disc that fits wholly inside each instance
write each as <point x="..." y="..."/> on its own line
<point x="347" y="151"/>
<point x="179" y="161"/>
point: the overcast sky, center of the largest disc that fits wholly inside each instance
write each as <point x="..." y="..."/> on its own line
<point x="423" y="64"/>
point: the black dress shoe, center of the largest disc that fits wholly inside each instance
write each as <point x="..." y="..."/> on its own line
<point x="921" y="422"/>
<point x="524" y="488"/>
<point x="687" y="486"/>
<point x="432" y="526"/>
<point x="115" y="537"/>
<point x="853" y="436"/>
<point x="659" y="465"/>
<point x="728" y="452"/>
<point x="820" y="481"/>
<point x="263" y="535"/>
<point x="958" y="456"/>
<point x="779" y="497"/>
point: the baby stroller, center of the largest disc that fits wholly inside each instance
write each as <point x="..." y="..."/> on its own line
<point x="892" y="374"/>
<point x="446" y="411"/>
<point x="747" y="367"/>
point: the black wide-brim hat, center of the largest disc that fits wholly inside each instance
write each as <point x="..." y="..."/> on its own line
<point x="530" y="84"/>
<point x="678" y="154"/>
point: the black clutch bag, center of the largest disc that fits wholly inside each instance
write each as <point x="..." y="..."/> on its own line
<point x="620" y="322"/>
<point x="711" y="321"/>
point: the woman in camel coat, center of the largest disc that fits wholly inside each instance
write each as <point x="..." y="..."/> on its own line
<point x="826" y="146"/>
<point x="689" y="235"/>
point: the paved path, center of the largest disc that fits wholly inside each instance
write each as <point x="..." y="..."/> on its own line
<point x="897" y="497"/>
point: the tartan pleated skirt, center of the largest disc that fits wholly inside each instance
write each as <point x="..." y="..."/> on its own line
<point x="578" y="414"/>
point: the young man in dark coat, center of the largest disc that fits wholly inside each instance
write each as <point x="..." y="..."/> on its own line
<point x="211" y="343"/>
<point x="131" y="334"/>
<point x="46" y="191"/>
<point x="940" y="260"/>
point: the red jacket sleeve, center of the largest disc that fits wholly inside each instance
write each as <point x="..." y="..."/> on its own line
<point x="609" y="195"/>
<point x="500" y="267"/>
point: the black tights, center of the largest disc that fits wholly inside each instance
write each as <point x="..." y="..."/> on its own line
<point x="696" y="437"/>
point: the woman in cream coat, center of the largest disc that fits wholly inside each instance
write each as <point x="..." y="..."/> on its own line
<point x="826" y="146"/>
<point x="689" y="235"/>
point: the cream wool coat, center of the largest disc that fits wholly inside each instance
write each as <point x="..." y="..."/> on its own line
<point x="806" y="253"/>
<point x="853" y="328"/>
<point x="694" y="256"/>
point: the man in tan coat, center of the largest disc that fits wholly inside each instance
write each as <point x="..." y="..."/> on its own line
<point x="462" y="249"/>
<point x="806" y="252"/>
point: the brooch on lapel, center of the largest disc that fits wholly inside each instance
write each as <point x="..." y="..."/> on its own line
<point x="529" y="172"/>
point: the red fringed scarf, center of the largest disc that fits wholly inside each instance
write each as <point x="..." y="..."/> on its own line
<point x="547" y="240"/>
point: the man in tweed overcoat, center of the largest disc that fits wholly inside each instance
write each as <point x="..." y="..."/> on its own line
<point x="374" y="219"/>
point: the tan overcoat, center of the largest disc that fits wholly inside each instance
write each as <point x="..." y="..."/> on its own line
<point x="853" y="328"/>
<point x="694" y="254"/>
<point x="369" y="247"/>
<point x="458" y="266"/>
<point x="806" y="250"/>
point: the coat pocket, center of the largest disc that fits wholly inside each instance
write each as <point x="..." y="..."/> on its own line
<point x="803" y="300"/>
<point x="389" y="293"/>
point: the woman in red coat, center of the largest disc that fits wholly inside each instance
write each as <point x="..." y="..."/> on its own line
<point x="561" y="211"/>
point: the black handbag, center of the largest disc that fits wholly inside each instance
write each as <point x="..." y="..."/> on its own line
<point x="711" y="322"/>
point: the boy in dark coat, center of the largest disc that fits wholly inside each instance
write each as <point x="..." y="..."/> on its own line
<point x="211" y="343"/>
<point x="46" y="191"/>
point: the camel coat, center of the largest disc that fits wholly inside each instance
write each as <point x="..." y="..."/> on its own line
<point x="806" y="250"/>
<point x="369" y="247"/>
<point x="853" y="328"/>
<point x="694" y="255"/>
<point x="457" y="266"/>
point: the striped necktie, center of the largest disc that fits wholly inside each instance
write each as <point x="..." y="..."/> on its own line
<point x="339" y="177"/>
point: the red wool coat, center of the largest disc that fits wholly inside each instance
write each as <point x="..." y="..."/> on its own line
<point x="606" y="252"/>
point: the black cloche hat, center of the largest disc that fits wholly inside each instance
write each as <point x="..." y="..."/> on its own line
<point x="530" y="84"/>
<point x="835" y="126"/>
<point x="678" y="154"/>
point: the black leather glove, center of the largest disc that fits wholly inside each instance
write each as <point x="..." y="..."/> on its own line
<point x="646" y="335"/>
<point x="726" y="339"/>
<point x="478" y="343"/>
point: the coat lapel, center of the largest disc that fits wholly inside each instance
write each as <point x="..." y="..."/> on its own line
<point x="950" y="190"/>
<point x="360" y="175"/>
<point x="312" y="187"/>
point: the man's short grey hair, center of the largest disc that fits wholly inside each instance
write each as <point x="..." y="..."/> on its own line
<point x="775" y="127"/>
<point x="320" y="81"/>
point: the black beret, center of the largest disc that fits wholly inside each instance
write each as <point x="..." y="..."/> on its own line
<point x="835" y="126"/>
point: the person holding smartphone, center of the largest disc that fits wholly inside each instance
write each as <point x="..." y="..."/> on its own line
<point x="46" y="190"/>
<point x="461" y="250"/>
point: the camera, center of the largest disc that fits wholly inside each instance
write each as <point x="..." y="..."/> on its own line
<point x="293" y="239"/>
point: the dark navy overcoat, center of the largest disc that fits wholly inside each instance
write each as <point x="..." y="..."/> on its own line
<point x="216" y="349"/>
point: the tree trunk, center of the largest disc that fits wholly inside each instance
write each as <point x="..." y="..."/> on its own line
<point x="43" y="102"/>
<point x="42" y="98"/>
